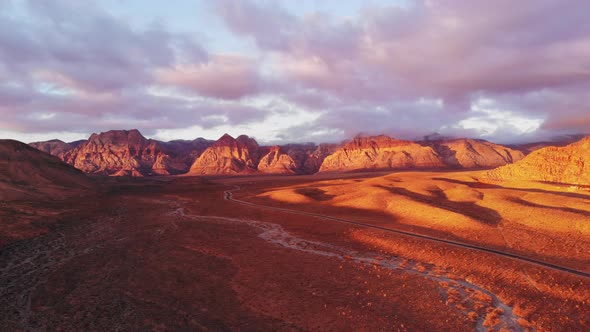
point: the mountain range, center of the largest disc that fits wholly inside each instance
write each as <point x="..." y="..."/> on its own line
<point x="129" y="153"/>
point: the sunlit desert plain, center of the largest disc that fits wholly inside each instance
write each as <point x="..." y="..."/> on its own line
<point x="404" y="251"/>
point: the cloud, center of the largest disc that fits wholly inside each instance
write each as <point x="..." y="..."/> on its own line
<point x="406" y="69"/>
<point x="454" y="51"/>
<point x="224" y="77"/>
<point x="75" y="67"/>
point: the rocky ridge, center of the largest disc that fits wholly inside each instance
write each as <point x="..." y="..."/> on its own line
<point x="128" y="153"/>
<point x="569" y="164"/>
<point x="380" y="152"/>
<point x="228" y="155"/>
<point x="473" y="153"/>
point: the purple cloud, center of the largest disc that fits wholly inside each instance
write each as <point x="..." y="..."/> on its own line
<point x="403" y="70"/>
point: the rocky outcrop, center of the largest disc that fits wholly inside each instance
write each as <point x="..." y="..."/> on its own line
<point x="380" y="152"/>
<point x="569" y="164"/>
<point x="228" y="155"/>
<point x="315" y="158"/>
<point x="277" y="161"/>
<point x="179" y="155"/>
<point x="114" y="151"/>
<point x="129" y="153"/>
<point x="54" y="147"/>
<point x="294" y="158"/>
<point x="26" y="172"/>
<point x="472" y="153"/>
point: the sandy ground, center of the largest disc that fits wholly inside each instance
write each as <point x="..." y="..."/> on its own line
<point x="174" y="254"/>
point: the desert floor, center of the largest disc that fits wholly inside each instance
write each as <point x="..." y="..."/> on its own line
<point x="405" y="251"/>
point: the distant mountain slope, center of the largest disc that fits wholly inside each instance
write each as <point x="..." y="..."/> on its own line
<point x="383" y="152"/>
<point x="54" y="147"/>
<point x="129" y="153"/>
<point x="568" y="164"/>
<point x="472" y="153"/>
<point x="26" y="172"/>
<point x="556" y="141"/>
<point x="380" y="152"/>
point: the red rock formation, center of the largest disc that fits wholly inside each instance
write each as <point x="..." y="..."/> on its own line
<point x="179" y="155"/>
<point x="315" y="159"/>
<point x="568" y="164"/>
<point x="228" y="156"/>
<point x="472" y="153"/>
<point x="380" y="152"/>
<point x="127" y="152"/>
<point x="277" y="161"/>
<point x="26" y="172"/>
<point x="294" y="158"/>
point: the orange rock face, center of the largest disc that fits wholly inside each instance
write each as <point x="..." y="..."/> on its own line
<point x="294" y="158"/>
<point x="569" y="164"/>
<point x="316" y="158"/>
<point x="228" y="155"/>
<point x="123" y="152"/>
<point x="277" y="161"/>
<point x="383" y="152"/>
<point x="128" y="153"/>
<point x="380" y="152"/>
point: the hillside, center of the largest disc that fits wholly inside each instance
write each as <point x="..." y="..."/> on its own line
<point x="569" y="164"/>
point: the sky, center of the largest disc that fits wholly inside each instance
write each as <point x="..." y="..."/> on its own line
<point x="295" y="71"/>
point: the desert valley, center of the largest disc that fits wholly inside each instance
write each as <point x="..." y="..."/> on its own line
<point x="273" y="165"/>
<point x="372" y="234"/>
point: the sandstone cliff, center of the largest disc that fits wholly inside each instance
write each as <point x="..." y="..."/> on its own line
<point x="277" y="161"/>
<point x="228" y="155"/>
<point x="127" y="152"/>
<point x="315" y="159"/>
<point x="569" y="164"/>
<point x="294" y="158"/>
<point x="380" y="152"/>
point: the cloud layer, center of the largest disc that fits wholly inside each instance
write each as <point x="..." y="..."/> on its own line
<point x="502" y="70"/>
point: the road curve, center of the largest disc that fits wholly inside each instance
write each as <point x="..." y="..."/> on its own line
<point x="228" y="196"/>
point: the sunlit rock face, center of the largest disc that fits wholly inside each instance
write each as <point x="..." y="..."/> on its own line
<point x="383" y="152"/>
<point x="228" y="155"/>
<point x="277" y="161"/>
<point x="380" y="152"/>
<point x="569" y="164"/>
<point x="129" y="153"/>
<point x="316" y="158"/>
<point x="472" y="153"/>
<point x="294" y="158"/>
